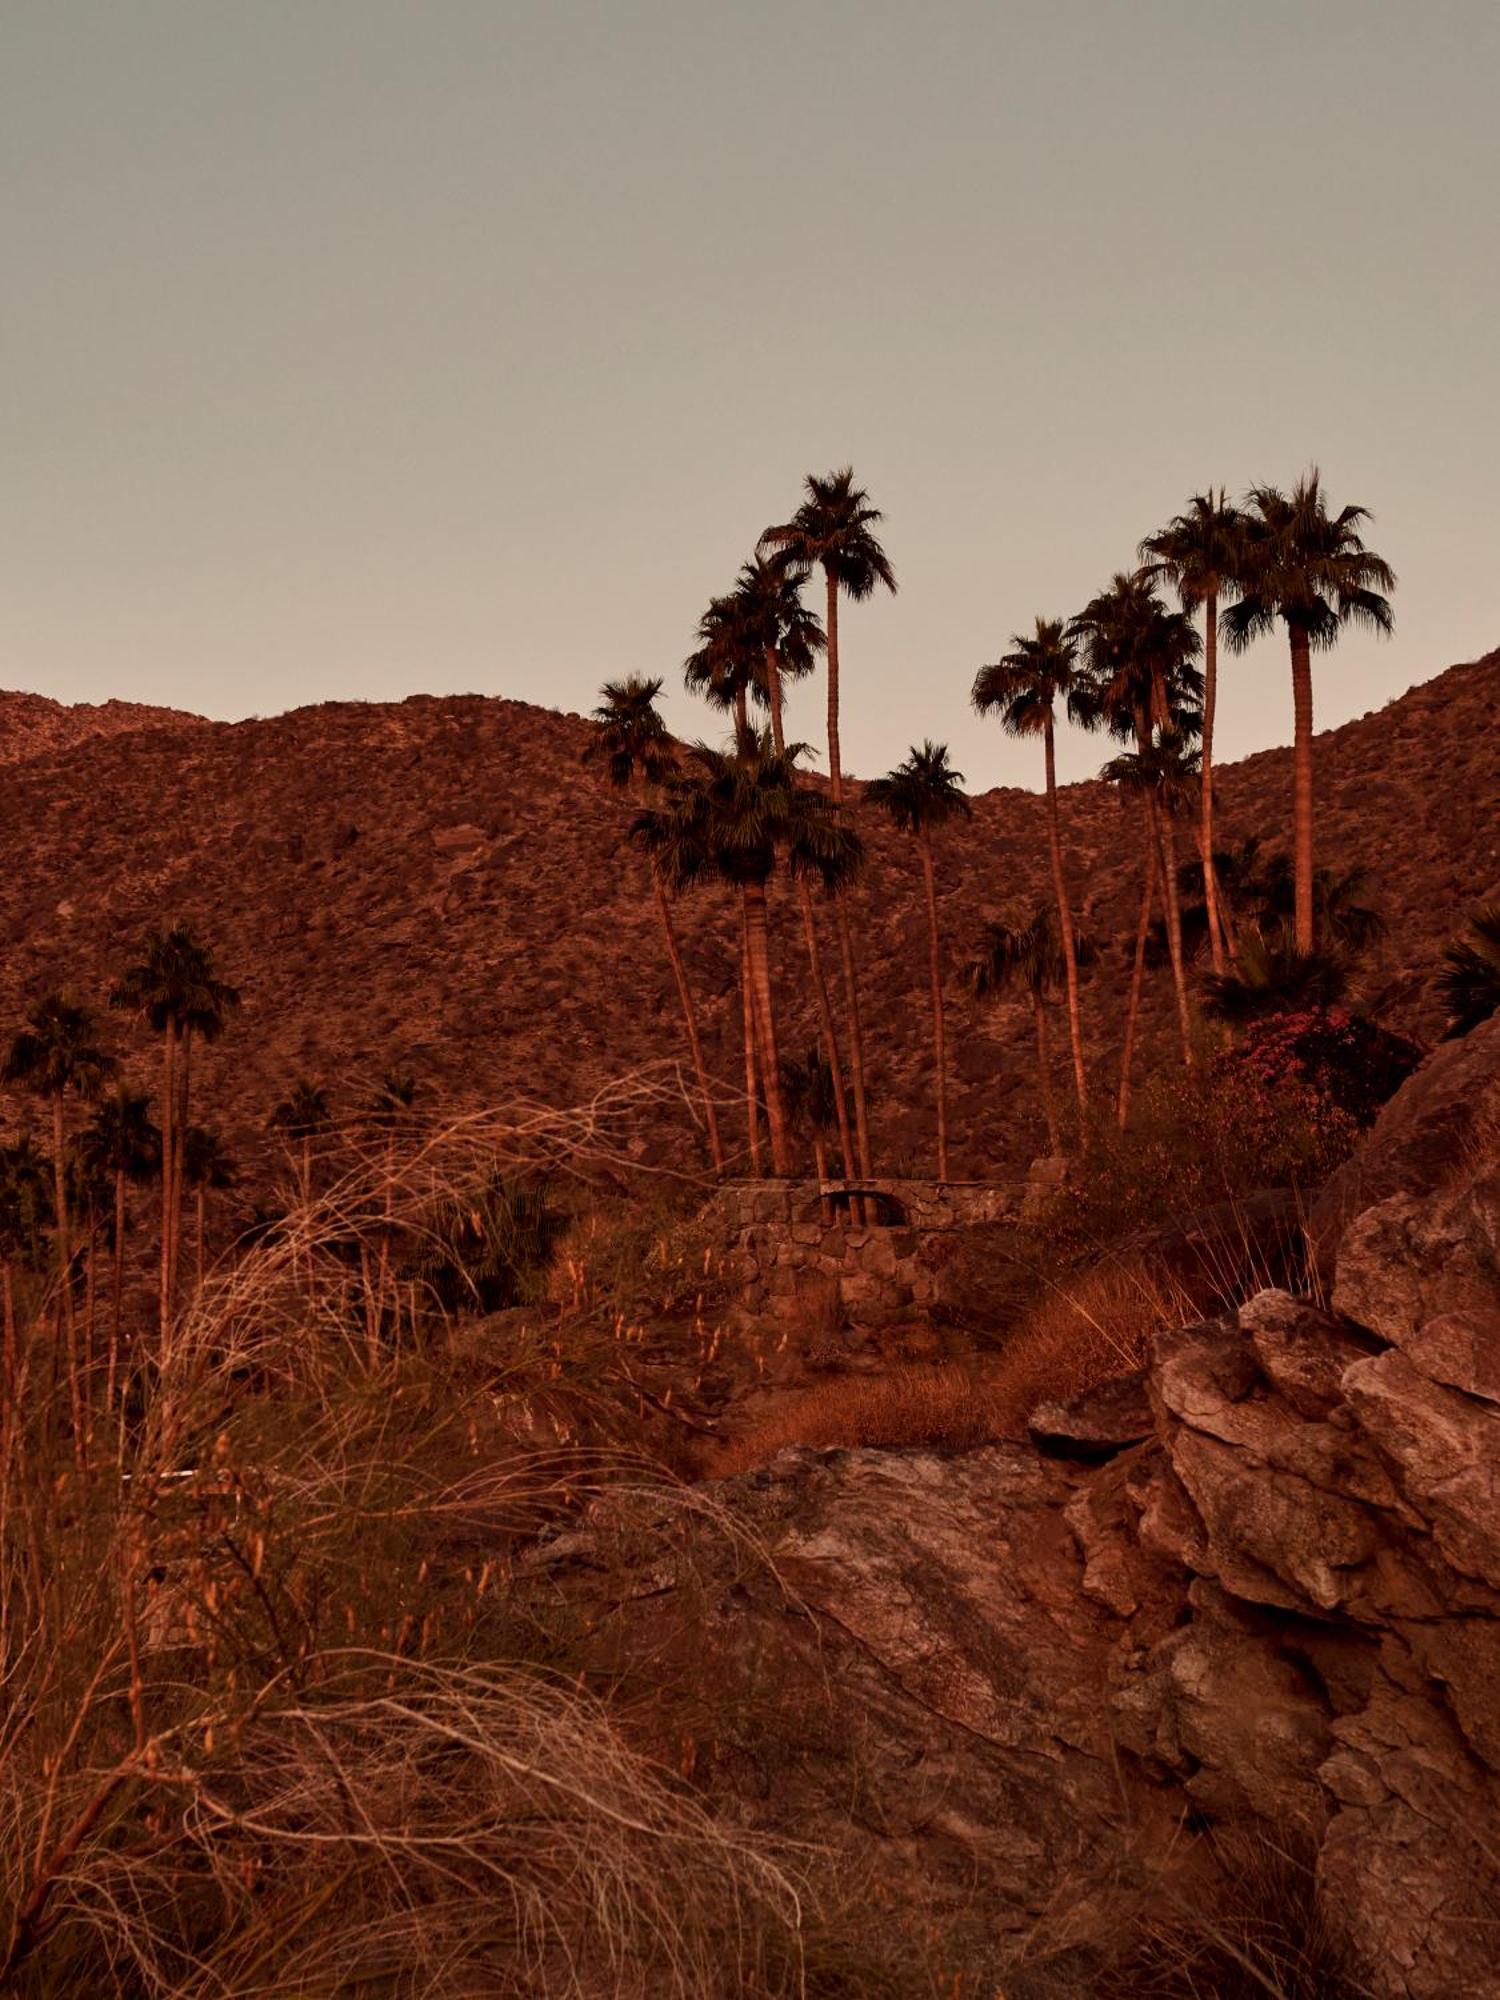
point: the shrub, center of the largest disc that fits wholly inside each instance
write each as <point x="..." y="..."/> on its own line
<point x="1197" y="1140"/>
<point x="1349" y="1060"/>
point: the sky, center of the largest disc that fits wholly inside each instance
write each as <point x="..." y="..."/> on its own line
<point x="352" y="349"/>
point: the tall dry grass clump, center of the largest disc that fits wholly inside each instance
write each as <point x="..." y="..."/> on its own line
<point x="286" y="1709"/>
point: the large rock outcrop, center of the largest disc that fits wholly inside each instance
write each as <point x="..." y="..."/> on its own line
<point x="1256" y="1587"/>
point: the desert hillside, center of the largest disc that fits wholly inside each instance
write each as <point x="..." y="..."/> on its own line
<point x="440" y="883"/>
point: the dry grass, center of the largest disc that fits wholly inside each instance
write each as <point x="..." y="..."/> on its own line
<point x="1087" y="1331"/>
<point x="286" y="1710"/>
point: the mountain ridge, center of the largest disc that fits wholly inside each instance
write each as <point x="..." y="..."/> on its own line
<point x="439" y="882"/>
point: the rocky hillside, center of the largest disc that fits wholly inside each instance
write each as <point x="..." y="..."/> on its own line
<point x="438" y="883"/>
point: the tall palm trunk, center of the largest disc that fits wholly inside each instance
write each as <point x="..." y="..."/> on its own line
<point x="183" y="1120"/>
<point x="1302" y="784"/>
<point x="773" y="695"/>
<point x="690" y="1021"/>
<point x="201" y="1198"/>
<point x="830" y="1031"/>
<point x="831" y="636"/>
<point x="935" y="981"/>
<point x="1216" y="932"/>
<point x="757" y="933"/>
<point x="65" y="1269"/>
<point x="1161" y="831"/>
<point x="1044" y="1070"/>
<point x="168" y="1162"/>
<point x="1137" y="978"/>
<point x="747" y="1015"/>
<point x="1159" y="834"/>
<point x="810" y="935"/>
<point x="1064" y="920"/>
<point x="841" y="905"/>
<point x="117" y="1291"/>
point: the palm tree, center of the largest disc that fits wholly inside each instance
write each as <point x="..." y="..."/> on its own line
<point x="630" y="739"/>
<point x="1274" y="976"/>
<point x="1024" y="687"/>
<point x="302" y="1116"/>
<point x="55" y="1056"/>
<point x="206" y="1168"/>
<point x="920" y="794"/>
<point x="1469" y="981"/>
<point x="735" y="817"/>
<point x="26" y="1214"/>
<point x="1310" y="569"/>
<point x="807" y="1086"/>
<point x="1345" y="921"/>
<point x="633" y="742"/>
<point x="1028" y="954"/>
<point x="1140" y="678"/>
<point x="778" y="629"/>
<point x="176" y="989"/>
<point x="727" y="666"/>
<point x="1161" y="773"/>
<point x="1198" y="555"/>
<point x="834" y="530"/>
<point x="121" y="1143"/>
<point x="774" y="625"/>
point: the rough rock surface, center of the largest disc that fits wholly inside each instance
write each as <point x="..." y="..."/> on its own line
<point x="1280" y="1608"/>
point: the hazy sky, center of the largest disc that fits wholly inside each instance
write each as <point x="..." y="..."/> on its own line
<point x="353" y="348"/>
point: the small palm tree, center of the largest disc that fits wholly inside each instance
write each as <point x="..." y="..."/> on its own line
<point x="640" y="755"/>
<point x="1469" y="981"/>
<point x="56" y="1057"/>
<point x="485" y="1250"/>
<point x="1028" y="954"/>
<point x="207" y="1168"/>
<point x="737" y="818"/>
<point x="121" y="1143"/>
<point x="1024" y="687"/>
<point x="630" y="739"/>
<point x="834" y="530"/>
<point x="1198" y="554"/>
<point x="727" y="666"/>
<point x="176" y="989"/>
<point x="1274" y="976"/>
<point x="923" y="792"/>
<point x="1310" y="570"/>
<point x="774" y="620"/>
<point x="303" y="1115"/>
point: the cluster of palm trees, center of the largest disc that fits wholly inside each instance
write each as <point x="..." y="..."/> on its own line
<point x="57" y="1208"/>
<point x="1132" y="664"/>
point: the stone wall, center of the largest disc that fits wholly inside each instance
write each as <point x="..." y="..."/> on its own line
<point x="800" y="1255"/>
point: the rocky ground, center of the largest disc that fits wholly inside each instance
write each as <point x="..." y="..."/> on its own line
<point x="1256" y="1588"/>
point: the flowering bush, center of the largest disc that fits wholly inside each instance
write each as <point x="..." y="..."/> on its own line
<point x="1347" y="1059"/>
